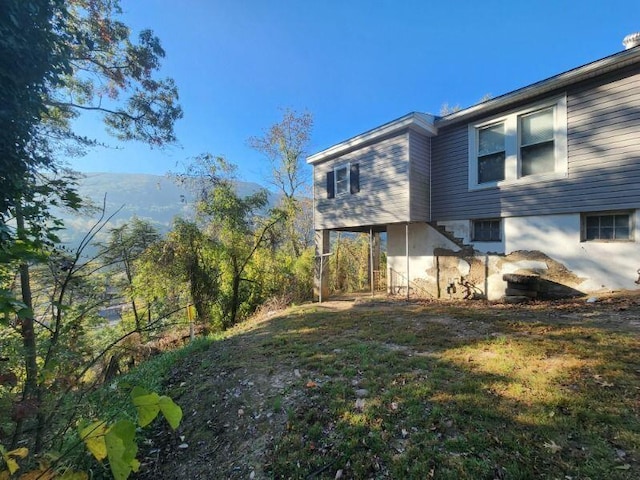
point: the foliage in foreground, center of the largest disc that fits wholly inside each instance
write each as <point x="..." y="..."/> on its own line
<point x="114" y="441"/>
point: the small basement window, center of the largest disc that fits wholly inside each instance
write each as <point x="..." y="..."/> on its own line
<point x="487" y="230"/>
<point x="616" y="226"/>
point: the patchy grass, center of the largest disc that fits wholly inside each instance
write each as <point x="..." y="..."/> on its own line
<point x="383" y="390"/>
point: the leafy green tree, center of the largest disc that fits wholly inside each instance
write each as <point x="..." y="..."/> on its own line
<point x="187" y="255"/>
<point x="32" y="62"/>
<point x="285" y="145"/>
<point x="237" y="226"/>
<point x="349" y="263"/>
<point x="126" y="244"/>
<point x="72" y="57"/>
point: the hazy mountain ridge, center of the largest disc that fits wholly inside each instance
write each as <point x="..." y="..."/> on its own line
<point x="155" y="198"/>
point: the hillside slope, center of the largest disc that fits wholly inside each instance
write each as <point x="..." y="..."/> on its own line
<point x="384" y="389"/>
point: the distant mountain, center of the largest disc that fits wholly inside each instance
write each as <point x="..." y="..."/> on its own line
<point x="150" y="197"/>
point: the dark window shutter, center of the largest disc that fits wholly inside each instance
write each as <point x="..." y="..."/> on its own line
<point x="354" y="179"/>
<point x="331" y="192"/>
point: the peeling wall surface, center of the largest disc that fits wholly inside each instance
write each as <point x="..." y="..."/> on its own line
<point x="440" y="268"/>
<point x="423" y="239"/>
<point x="602" y="265"/>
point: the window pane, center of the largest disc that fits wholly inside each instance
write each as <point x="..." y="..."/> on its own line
<point x="342" y="180"/>
<point x="606" y="233"/>
<point x="622" y="221"/>
<point x="537" y="127"/>
<point x="538" y="158"/>
<point x="495" y="231"/>
<point x="491" y="139"/>
<point x="593" y="232"/>
<point x="622" y="233"/>
<point x="491" y="168"/>
<point x="606" y="221"/>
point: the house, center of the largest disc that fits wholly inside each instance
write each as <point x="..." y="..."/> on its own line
<point x="542" y="182"/>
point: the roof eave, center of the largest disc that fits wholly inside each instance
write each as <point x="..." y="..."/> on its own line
<point x="417" y="121"/>
<point x="591" y="70"/>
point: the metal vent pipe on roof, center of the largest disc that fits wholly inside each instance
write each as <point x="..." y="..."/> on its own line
<point x="631" y="40"/>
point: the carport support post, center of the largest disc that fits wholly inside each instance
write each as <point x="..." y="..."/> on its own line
<point x="320" y="279"/>
<point x="374" y="258"/>
<point x="406" y="238"/>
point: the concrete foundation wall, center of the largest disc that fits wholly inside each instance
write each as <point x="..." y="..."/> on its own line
<point x="423" y="239"/>
<point x="601" y="265"/>
<point x="549" y="246"/>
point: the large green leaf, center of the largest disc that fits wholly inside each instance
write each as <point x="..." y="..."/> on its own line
<point x="171" y="411"/>
<point x="147" y="405"/>
<point x="122" y="449"/>
<point x="93" y="437"/>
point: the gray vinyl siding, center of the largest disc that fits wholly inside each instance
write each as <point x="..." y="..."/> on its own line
<point x="384" y="187"/>
<point x="603" y="146"/>
<point x="419" y="176"/>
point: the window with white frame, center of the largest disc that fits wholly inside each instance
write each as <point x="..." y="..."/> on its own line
<point x="491" y="153"/>
<point x="341" y="176"/>
<point x="487" y="230"/>
<point x="343" y="179"/>
<point x="607" y="226"/>
<point x="525" y="144"/>
<point x="537" y="142"/>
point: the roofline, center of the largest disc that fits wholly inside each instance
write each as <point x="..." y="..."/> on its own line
<point x="421" y="122"/>
<point x="590" y="70"/>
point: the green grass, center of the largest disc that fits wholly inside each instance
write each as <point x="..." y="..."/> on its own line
<point x="529" y="400"/>
<point x="458" y="391"/>
<point x="113" y="401"/>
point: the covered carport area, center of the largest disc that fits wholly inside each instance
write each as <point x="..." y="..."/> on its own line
<point x="324" y="242"/>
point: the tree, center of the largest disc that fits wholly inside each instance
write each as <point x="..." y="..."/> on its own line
<point x="285" y="145"/>
<point x="236" y="226"/>
<point x="60" y="59"/>
<point x="187" y="255"/>
<point x="126" y="244"/>
<point x="32" y="62"/>
<point x="240" y="231"/>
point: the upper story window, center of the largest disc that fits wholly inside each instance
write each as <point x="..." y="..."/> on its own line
<point x="341" y="175"/>
<point x="537" y="142"/>
<point x="343" y="180"/>
<point x="491" y="153"/>
<point x="526" y="144"/>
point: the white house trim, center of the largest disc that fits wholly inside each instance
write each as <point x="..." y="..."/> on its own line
<point x="417" y="121"/>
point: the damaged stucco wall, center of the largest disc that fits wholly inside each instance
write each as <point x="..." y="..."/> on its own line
<point x="601" y="265"/>
<point x="440" y="268"/>
<point x="460" y="274"/>
<point x="423" y="240"/>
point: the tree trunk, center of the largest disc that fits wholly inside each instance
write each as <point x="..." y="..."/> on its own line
<point x="27" y="331"/>
<point x="235" y="298"/>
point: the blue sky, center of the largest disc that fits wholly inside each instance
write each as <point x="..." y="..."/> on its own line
<point x="353" y="64"/>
